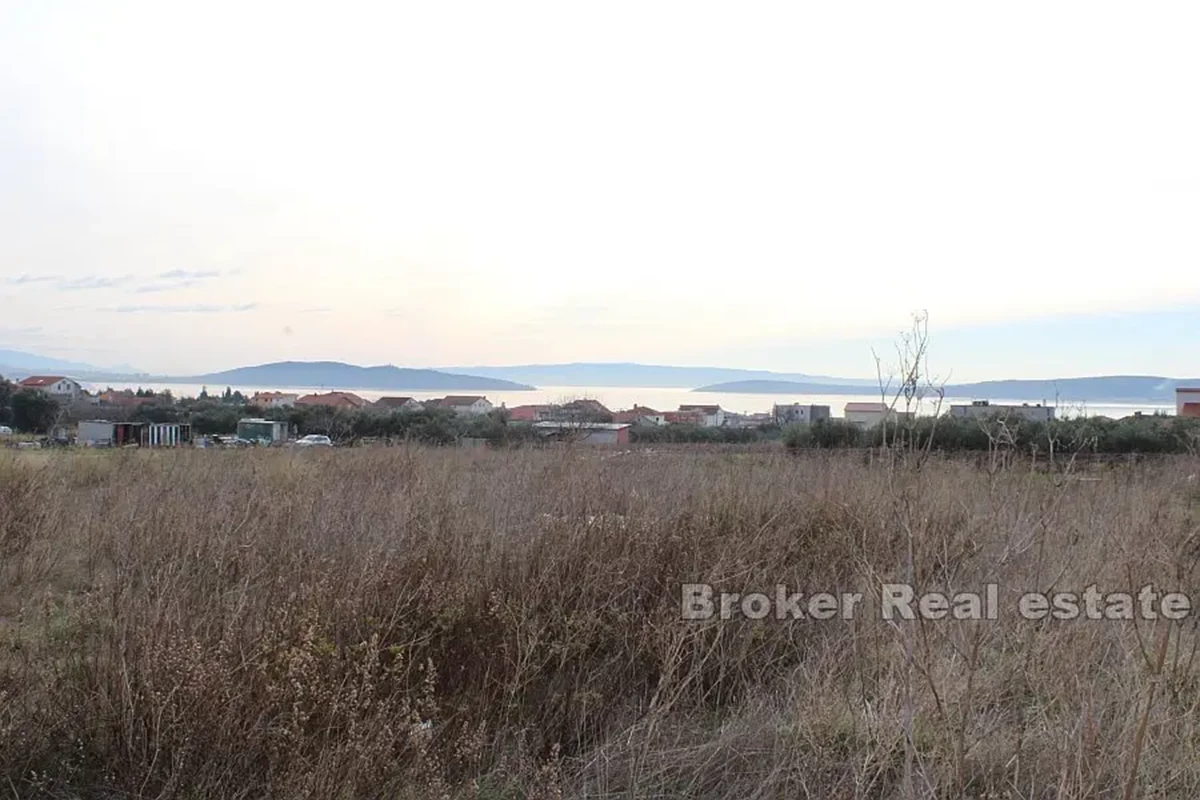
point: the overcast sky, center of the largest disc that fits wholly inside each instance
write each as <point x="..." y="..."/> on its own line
<point x="186" y="187"/>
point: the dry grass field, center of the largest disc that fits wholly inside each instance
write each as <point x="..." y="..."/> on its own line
<point x="400" y="622"/>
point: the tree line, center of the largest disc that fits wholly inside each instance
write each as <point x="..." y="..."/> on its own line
<point x="31" y="411"/>
<point x="1147" y="434"/>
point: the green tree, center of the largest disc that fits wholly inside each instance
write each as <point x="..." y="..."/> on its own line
<point x="33" y="412"/>
<point x="7" y="390"/>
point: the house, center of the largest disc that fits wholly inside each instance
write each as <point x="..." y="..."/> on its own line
<point x="274" y="399"/>
<point x="583" y="410"/>
<point x="601" y="433"/>
<point x="462" y="404"/>
<point x="332" y="400"/>
<point x="799" y="414"/>
<point x="1187" y="402"/>
<point x="714" y="416"/>
<point x="638" y="415"/>
<point x="266" y="431"/>
<point x="398" y="404"/>
<point x="983" y="409"/>
<point x="867" y="415"/>
<point x="531" y="413"/>
<point x="61" y="388"/>
<point x="755" y="420"/>
<point x="683" y="418"/>
<point x="124" y="398"/>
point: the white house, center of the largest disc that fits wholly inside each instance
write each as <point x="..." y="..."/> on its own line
<point x="464" y="404"/>
<point x="59" y="387"/>
<point x="982" y="409"/>
<point x="714" y="416"/>
<point x="796" y="413"/>
<point x="1187" y="402"/>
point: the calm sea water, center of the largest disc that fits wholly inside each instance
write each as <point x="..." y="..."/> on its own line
<point x="617" y="397"/>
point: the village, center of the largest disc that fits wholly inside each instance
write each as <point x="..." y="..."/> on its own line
<point x="584" y="421"/>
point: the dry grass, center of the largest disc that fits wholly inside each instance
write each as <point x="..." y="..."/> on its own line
<point x="418" y="623"/>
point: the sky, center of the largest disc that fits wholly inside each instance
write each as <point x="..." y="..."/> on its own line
<point x="186" y="188"/>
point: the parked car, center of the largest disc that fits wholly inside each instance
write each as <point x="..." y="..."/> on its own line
<point x="314" y="440"/>
<point x="5" y="430"/>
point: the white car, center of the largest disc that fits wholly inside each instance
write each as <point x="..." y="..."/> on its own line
<point x="314" y="440"/>
<point x="5" y="430"/>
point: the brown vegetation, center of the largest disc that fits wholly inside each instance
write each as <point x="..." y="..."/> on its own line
<point x="408" y="622"/>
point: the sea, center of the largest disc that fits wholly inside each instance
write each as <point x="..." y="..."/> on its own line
<point x="658" y="398"/>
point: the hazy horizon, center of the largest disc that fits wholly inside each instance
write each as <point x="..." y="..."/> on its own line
<point x="773" y="188"/>
<point x="482" y="370"/>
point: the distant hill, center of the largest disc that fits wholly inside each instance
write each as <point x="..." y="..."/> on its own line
<point x="16" y="362"/>
<point x="336" y="375"/>
<point x="1111" y="389"/>
<point x="640" y="375"/>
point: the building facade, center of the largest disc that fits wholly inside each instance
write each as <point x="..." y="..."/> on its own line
<point x="867" y="415"/>
<point x="983" y="409"/>
<point x="1187" y="402"/>
<point x="397" y="404"/>
<point x="530" y="413"/>
<point x="799" y="414"/>
<point x="714" y="416"/>
<point x="468" y="405"/>
<point x="274" y="399"/>
<point x="59" y="387"/>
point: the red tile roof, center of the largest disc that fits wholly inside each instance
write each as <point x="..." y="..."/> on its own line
<point x="124" y="398"/>
<point x="704" y="409"/>
<point x="634" y="414"/>
<point x="586" y="404"/>
<point x="332" y="399"/>
<point x="526" y="413"/>
<point x="42" y="380"/>
<point x="452" y="400"/>
<point x="880" y="407"/>
<point x="393" y="402"/>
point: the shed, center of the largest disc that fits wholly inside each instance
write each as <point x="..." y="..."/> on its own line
<point x="266" y="431"/>
<point x="584" y="432"/>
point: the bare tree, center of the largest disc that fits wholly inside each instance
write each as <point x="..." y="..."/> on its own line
<point x="908" y="385"/>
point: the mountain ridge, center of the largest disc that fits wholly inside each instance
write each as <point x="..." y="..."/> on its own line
<point x="634" y="375"/>
<point x="18" y="361"/>
<point x="338" y="374"/>
<point x="1109" y="388"/>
